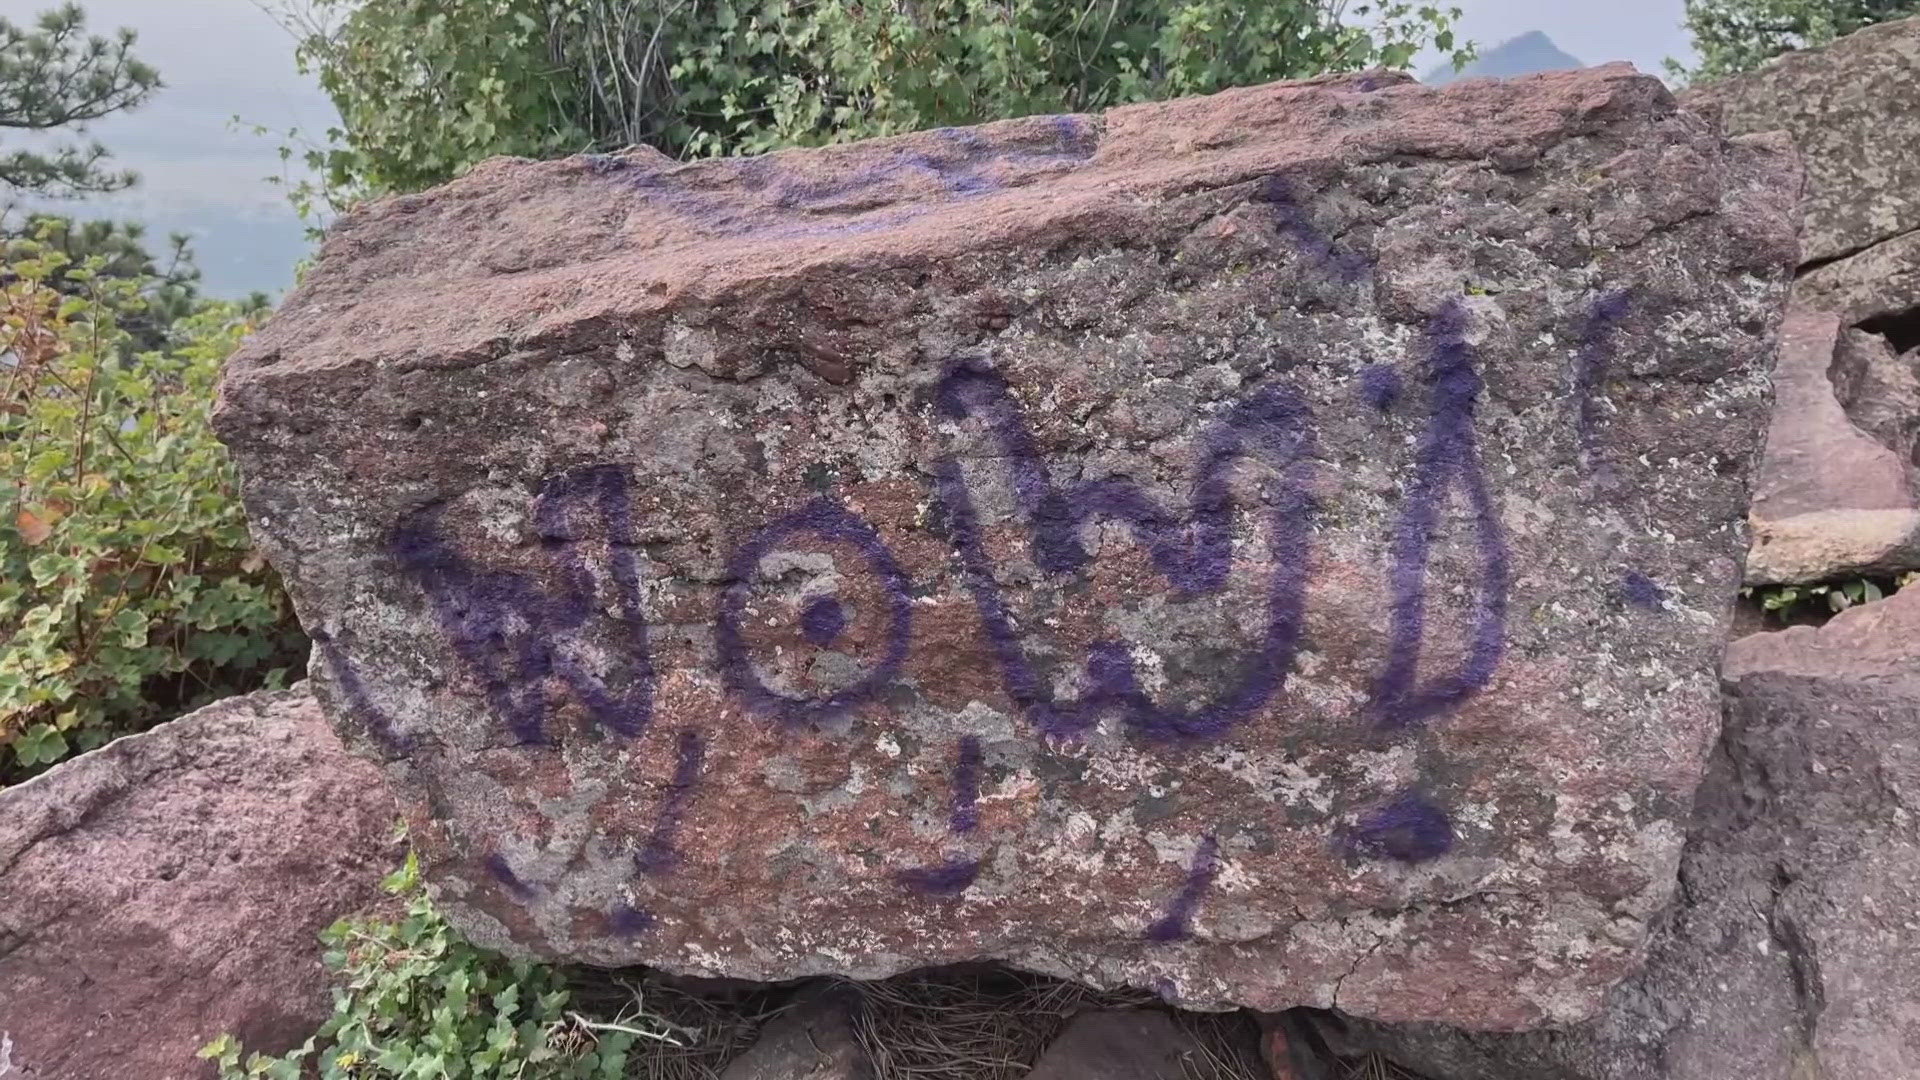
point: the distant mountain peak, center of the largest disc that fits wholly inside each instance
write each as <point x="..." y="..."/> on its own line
<point x="1530" y="52"/>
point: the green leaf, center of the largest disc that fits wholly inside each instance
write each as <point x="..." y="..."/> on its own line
<point x="41" y="744"/>
<point x="506" y="1001"/>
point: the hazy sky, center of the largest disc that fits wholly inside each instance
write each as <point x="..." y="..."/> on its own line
<point x="226" y="57"/>
<point x="200" y="174"/>
<point x="1645" y="32"/>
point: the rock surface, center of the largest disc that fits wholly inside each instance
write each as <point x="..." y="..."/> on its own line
<point x="171" y="887"/>
<point x="1272" y="548"/>
<point x="1853" y="109"/>
<point x="1831" y="499"/>
<point x="1880" y="282"/>
<point x="1791" y="955"/>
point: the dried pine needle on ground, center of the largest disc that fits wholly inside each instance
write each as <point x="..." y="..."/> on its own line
<point x="964" y="1023"/>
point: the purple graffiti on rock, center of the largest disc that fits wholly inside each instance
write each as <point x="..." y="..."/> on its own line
<point x="1448" y="456"/>
<point x="521" y="634"/>
<point x="1193" y="550"/>
<point x="1175" y="924"/>
<point x="827" y="520"/>
<point x="514" y="633"/>
<point x="952" y="876"/>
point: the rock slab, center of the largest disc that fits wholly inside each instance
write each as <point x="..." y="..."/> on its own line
<point x="1853" y="109"/>
<point x="1790" y="955"/>
<point x="1271" y="548"/>
<point x="1872" y="286"/>
<point x="171" y="887"/>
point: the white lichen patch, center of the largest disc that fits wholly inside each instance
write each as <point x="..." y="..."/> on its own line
<point x="1388" y="769"/>
<point x="1272" y="778"/>
<point x="1174" y="849"/>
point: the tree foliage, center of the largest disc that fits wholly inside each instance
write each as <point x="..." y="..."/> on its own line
<point x="168" y="285"/>
<point x="1739" y="35"/>
<point x="56" y="75"/>
<point x="129" y="587"/>
<point x="426" y="88"/>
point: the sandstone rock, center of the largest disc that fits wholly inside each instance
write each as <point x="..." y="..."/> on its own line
<point x="1271" y="548"/>
<point x="1120" y="1044"/>
<point x="1816" y="459"/>
<point x="1790" y="955"/>
<point x="1829" y="544"/>
<point x="1853" y="109"/>
<point x="1831" y="500"/>
<point x="171" y="886"/>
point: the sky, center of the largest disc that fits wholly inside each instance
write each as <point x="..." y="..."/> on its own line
<point x="1644" y="32"/>
<point x="201" y="174"/>
<point x="221" y="58"/>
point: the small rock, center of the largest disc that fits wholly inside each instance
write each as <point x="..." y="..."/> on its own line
<point x="171" y="886"/>
<point x="1119" y="1044"/>
<point x="813" y="1040"/>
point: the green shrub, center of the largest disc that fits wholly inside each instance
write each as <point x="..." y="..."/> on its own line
<point x="416" y="1001"/>
<point x="427" y="88"/>
<point x="1788" y="602"/>
<point x="129" y="590"/>
<point x="759" y="76"/>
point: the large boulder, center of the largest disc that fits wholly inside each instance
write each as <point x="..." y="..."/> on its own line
<point x="1853" y="109"/>
<point x="1271" y="548"/>
<point x="171" y="886"/>
<point x="1791" y="953"/>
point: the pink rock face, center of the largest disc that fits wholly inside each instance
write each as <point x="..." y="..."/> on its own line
<point x="1271" y="548"/>
<point x="171" y="887"/>
<point x="1816" y="459"/>
<point x="1831" y="499"/>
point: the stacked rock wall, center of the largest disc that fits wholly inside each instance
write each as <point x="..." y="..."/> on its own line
<point x="1853" y="110"/>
